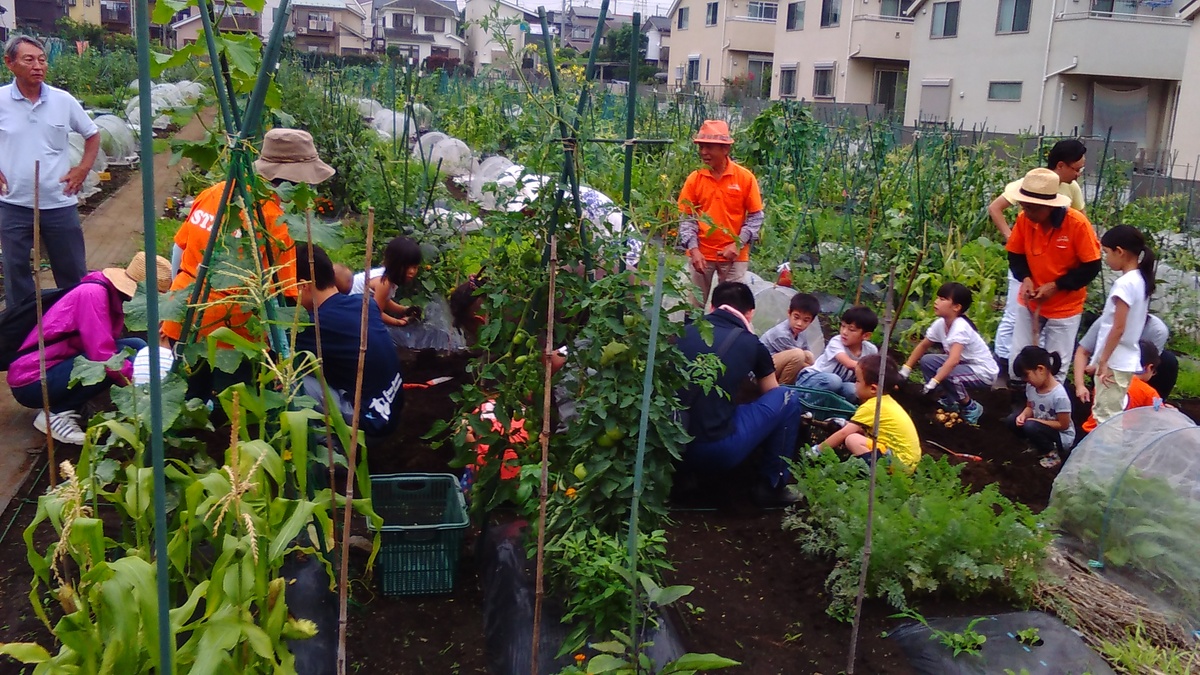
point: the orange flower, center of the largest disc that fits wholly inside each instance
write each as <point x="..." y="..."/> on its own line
<point x="579" y="659"/>
<point x="571" y="493"/>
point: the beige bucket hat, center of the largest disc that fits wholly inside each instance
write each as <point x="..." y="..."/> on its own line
<point x="1039" y="186"/>
<point x="126" y="279"/>
<point x="289" y="154"/>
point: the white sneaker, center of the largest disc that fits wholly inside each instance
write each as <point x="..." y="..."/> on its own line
<point x="64" y="426"/>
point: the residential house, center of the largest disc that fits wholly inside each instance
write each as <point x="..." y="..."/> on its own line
<point x="38" y="16"/>
<point x="418" y="28"/>
<point x="1186" y="137"/>
<point x="481" y="47"/>
<point x="580" y="23"/>
<point x="329" y="26"/>
<point x="657" y="30"/>
<point x="231" y="18"/>
<point x="715" y="43"/>
<point x="88" y="11"/>
<point x="1083" y="67"/>
<point x="843" y="50"/>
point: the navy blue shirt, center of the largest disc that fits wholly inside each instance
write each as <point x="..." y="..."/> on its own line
<point x="340" y="318"/>
<point x="711" y="416"/>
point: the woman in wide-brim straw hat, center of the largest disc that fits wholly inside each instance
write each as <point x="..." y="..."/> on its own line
<point x="1053" y="251"/>
<point x="288" y="155"/>
<point x="85" y="323"/>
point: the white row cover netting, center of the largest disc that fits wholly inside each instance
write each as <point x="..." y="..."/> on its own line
<point x="1128" y="497"/>
<point x="91" y="184"/>
<point x="449" y="155"/>
<point x="164" y="97"/>
<point x="388" y="123"/>
<point x="771" y="307"/>
<point x="117" y="139"/>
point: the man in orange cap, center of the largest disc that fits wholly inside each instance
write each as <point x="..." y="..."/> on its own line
<point x="722" y="212"/>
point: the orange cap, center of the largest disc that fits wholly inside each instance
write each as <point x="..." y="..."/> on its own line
<point x="714" y="131"/>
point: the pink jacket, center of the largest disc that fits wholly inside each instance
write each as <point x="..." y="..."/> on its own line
<point x="93" y="315"/>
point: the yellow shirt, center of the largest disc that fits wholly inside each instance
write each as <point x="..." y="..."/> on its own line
<point x="897" y="433"/>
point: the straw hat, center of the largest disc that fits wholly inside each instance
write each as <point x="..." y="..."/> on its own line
<point x="1039" y="186"/>
<point x="714" y="131"/>
<point x="126" y="279"/>
<point x="289" y="154"/>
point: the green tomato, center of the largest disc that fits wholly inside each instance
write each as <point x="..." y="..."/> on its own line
<point x="518" y="338"/>
<point x="580" y="471"/>
<point x="520" y="360"/>
<point x="630" y="320"/>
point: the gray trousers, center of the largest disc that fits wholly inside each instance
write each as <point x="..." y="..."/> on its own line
<point x="62" y="236"/>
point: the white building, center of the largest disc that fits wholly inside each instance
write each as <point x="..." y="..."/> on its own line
<point x="843" y="50"/>
<point x="657" y="30"/>
<point x="418" y="28"/>
<point x="481" y="49"/>
<point x="715" y="43"/>
<point x="1186" y="135"/>
<point x="1066" y="66"/>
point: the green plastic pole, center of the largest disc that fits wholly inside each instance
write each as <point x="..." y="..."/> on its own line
<point x="643" y="427"/>
<point x="214" y="58"/>
<point x="166" y="640"/>
<point x="630" y="117"/>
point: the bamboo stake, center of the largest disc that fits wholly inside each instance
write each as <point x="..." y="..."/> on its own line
<point x="352" y="457"/>
<point x="540" y="591"/>
<point x="41" y="333"/>
<point x="866" y="555"/>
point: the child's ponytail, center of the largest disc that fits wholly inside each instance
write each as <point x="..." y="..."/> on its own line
<point x="1131" y="239"/>
<point x="1033" y="357"/>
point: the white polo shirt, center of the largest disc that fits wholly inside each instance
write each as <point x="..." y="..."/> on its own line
<point x="38" y="131"/>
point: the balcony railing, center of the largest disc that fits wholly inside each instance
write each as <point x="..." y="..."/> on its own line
<point x="1123" y="16"/>
<point x="115" y="13"/>
<point x="246" y="23"/>
<point x="753" y="19"/>
<point x="884" y="17"/>
<point x="402" y="32"/>
<point x="321" y="27"/>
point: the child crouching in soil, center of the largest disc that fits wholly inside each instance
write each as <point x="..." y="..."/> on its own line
<point x="898" y="439"/>
<point x="1046" y="419"/>
<point x="967" y="363"/>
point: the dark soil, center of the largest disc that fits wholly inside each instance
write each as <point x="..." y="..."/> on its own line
<point x="119" y="176"/>
<point x="758" y="599"/>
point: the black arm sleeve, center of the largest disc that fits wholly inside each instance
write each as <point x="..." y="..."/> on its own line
<point x="1079" y="277"/>
<point x="1018" y="264"/>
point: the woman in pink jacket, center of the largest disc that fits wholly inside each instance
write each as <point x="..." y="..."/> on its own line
<point x="85" y="323"/>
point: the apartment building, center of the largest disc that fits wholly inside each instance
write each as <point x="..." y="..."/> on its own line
<point x="843" y="50"/>
<point x="1186" y="133"/>
<point x="1065" y="66"/>
<point x="657" y="30"/>
<point x="481" y="49"/>
<point x="717" y="43"/>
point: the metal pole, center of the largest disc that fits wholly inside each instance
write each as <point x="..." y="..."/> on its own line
<point x="166" y="640"/>
<point x="218" y="77"/>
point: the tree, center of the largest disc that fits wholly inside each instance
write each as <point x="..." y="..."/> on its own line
<point x="615" y="49"/>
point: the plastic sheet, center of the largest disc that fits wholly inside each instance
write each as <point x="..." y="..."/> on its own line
<point x="117" y="139"/>
<point x="91" y="184"/>
<point x="434" y="330"/>
<point x="385" y="121"/>
<point x="771" y="307"/>
<point x="1061" y="650"/>
<point x="508" y="598"/>
<point x="424" y="146"/>
<point x="1128" y="498"/>
<point x="452" y="156"/>
<point x="308" y="597"/>
<point x="489" y="170"/>
<point x="368" y="108"/>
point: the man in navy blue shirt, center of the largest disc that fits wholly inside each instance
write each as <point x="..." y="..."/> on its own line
<point x="725" y="434"/>
<point x="340" y="317"/>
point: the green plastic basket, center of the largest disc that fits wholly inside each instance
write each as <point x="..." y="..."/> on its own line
<point x="823" y="404"/>
<point x="424" y="517"/>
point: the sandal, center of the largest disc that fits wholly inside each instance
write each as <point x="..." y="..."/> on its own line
<point x="1051" y="461"/>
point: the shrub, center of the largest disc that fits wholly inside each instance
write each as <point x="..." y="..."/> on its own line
<point x="930" y="533"/>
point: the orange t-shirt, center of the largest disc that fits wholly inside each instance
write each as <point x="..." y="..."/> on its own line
<point x="720" y="206"/>
<point x="1140" y="395"/>
<point x="1054" y="251"/>
<point x="192" y="237"/>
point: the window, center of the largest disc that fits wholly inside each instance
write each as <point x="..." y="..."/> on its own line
<point x="945" y="20"/>
<point x="787" y="82"/>
<point x="1107" y="7"/>
<point x="402" y="21"/>
<point x="1004" y="91"/>
<point x="693" y="69"/>
<point x="759" y="70"/>
<point x="682" y="22"/>
<point x="823" y="81"/>
<point x="935" y="100"/>
<point x="1014" y="17"/>
<point x="889" y="89"/>
<point x="710" y="14"/>
<point x="762" y="11"/>
<point x="581" y="33"/>
<point x="435" y="24"/>
<point x="795" y="15"/>
<point x="895" y="8"/>
<point x="831" y="13"/>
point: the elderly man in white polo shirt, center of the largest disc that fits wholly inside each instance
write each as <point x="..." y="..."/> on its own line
<point x="35" y="120"/>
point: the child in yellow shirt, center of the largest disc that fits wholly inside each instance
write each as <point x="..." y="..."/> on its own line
<point x="897" y="434"/>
